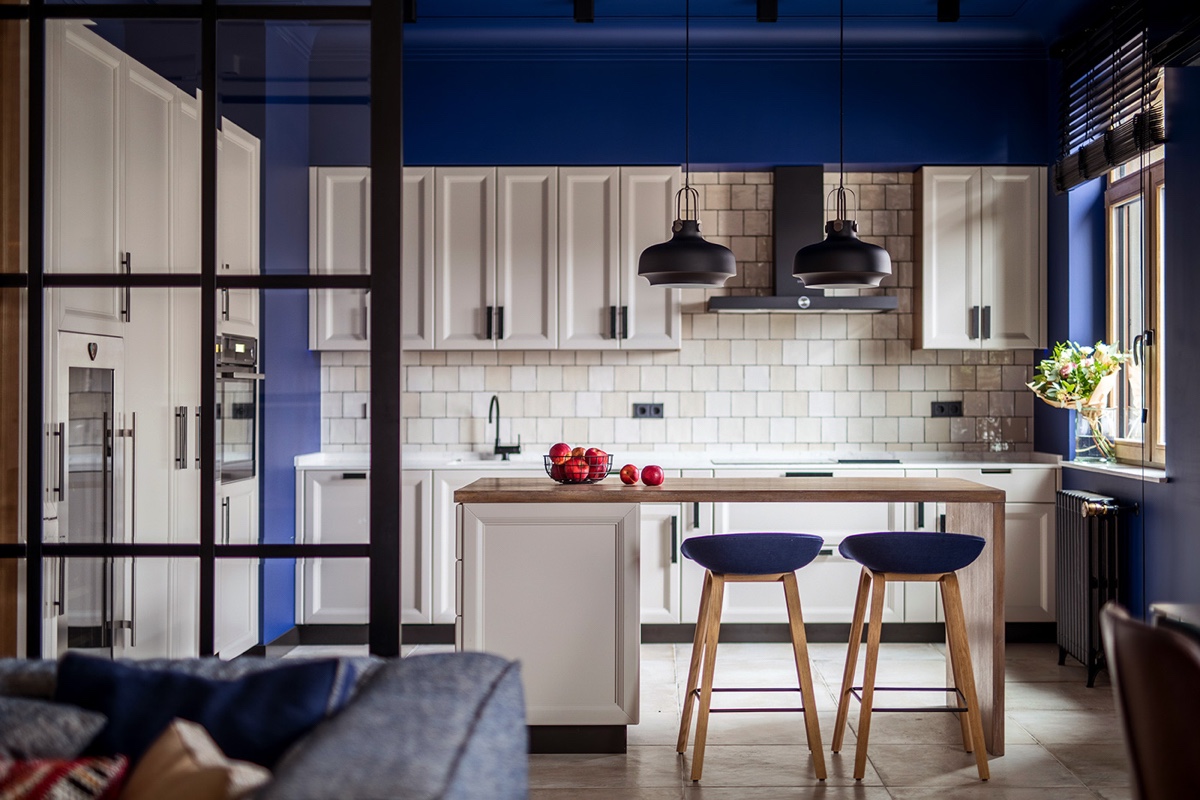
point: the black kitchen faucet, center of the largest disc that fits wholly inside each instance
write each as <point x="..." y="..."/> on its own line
<point x="502" y="450"/>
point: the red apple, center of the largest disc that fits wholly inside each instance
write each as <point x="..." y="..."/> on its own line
<point x="652" y="475"/>
<point x="597" y="459"/>
<point x="579" y="452"/>
<point x="576" y="470"/>
<point x="558" y="472"/>
<point x="560" y="452"/>
<point x="629" y="474"/>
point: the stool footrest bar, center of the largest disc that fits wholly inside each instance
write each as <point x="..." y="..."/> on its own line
<point x="854" y="691"/>
<point x="755" y="710"/>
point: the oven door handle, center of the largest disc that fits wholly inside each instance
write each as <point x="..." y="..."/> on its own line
<point x="243" y="376"/>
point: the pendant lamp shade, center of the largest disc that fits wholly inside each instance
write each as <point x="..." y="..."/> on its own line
<point x="842" y="260"/>
<point x="686" y="260"/>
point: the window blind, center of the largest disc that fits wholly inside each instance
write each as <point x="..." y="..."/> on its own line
<point x="1110" y="103"/>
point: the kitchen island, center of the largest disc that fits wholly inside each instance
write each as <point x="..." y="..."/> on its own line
<point x="548" y="574"/>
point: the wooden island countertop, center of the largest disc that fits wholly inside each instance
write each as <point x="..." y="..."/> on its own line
<point x="732" y="490"/>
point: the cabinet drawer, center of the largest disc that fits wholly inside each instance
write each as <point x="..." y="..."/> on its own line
<point x="1019" y="485"/>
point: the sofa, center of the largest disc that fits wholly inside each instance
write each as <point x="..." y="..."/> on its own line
<point x="447" y="725"/>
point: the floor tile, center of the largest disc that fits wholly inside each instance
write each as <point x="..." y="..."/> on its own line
<point x="1069" y="727"/>
<point x="1057" y="696"/>
<point x="985" y="791"/>
<point x="1095" y="764"/>
<point x="820" y="792"/>
<point x="937" y="766"/>
<point x="773" y="765"/>
<point x="646" y="766"/>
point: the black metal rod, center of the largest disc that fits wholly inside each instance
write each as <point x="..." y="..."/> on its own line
<point x="196" y="280"/>
<point x="208" y="326"/>
<point x="387" y="165"/>
<point x="35" y="361"/>
<point x="194" y="550"/>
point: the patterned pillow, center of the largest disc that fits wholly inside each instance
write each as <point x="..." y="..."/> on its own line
<point x="54" y="779"/>
<point x="41" y="729"/>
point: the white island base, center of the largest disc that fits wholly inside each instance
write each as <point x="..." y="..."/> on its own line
<point x="555" y="586"/>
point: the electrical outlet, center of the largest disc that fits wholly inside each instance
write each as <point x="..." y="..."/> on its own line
<point x="945" y="408"/>
<point x="648" y="410"/>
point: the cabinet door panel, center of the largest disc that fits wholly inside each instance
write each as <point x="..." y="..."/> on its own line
<point x="339" y="244"/>
<point x="236" y="612"/>
<point x="1029" y="562"/>
<point x="950" y="254"/>
<point x="416" y="321"/>
<point x="527" y="257"/>
<point x="647" y="213"/>
<point x="146" y="188"/>
<point x="662" y="527"/>
<point x="416" y="541"/>
<point x="83" y="134"/>
<point x="237" y="226"/>
<point x="465" y="253"/>
<point x="336" y="511"/>
<point x="589" y="257"/>
<point x="1013" y="256"/>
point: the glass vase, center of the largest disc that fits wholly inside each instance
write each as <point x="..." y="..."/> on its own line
<point x="1094" y="431"/>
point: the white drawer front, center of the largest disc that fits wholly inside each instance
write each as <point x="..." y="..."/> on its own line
<point x="1020" y="485"/>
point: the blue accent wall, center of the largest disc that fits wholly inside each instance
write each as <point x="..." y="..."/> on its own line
<point x="292" y="391"/>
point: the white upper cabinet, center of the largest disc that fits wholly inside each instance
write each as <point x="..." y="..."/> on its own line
<point x="589" y="257"/>
<point x="465" y="255"/>
<point x="982" y="249"/>
<point x="607" y="216"/>
<point x="237" y="226"/>
<point x="650" y="315"/>
<point x="339" y="234"/>
<point x="416" y="318"/>
<point x="526" y="294"/>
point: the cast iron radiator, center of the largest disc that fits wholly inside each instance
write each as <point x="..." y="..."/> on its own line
<point x="1087" y="547"/>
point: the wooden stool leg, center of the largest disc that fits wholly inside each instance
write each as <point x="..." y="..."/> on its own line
<point x="856" y="626"/>
<point x="963" y="719"/>
<point x="712" y="634"/>
<point x="874" y="631"/>
<point x="956" y="635"/>
<point x="812" y="726"/>
<point x="689" y="698"/>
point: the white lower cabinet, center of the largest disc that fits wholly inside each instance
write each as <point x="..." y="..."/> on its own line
<point x="1028" y="536"/>
<point x="237" y="579"/>
<point x="828" y="585"/>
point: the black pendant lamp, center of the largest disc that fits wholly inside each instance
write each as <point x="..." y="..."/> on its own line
<point x="842" y="261"/>
<point x="686" y="261"/>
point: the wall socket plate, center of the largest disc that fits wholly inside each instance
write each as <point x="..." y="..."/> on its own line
<point x="648" y="410"/>
<point x="945" y="408"/>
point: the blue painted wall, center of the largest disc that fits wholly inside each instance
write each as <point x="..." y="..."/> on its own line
<point x="292" y="391"/>
<point x="750" y="113"/>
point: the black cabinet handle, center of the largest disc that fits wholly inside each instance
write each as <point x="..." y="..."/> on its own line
<point x="920" y="516"/>
<point x="827" y="551"/>
<point x="674" y="539"/>
<point x="354" y="476"/>
<point x="695" y="515"/>
<point x="181" y="421"/>
<point x="127" y="268"/>
<point x="987" y="322"/>
<point x="612" y="322"/>
<point x="499" y="322"/>
<point x="624" y="322"/>
<point x="225" y="303"/>
<point x="996" y="471"/>
<point x="941" y="523"/>
<point x="60" y="491"/>
<point x="808" y="474"/>
<point x="974" y="332"/>
<point x="488" y="323"/>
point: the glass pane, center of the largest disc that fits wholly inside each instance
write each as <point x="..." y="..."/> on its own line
<point x="122" y="146"/>
<point x="121" y="607"/>
<point x="145" y="346"/>
<point x="12" y="459"/>
<point x="1161" y="340"/>
<point x="14" y="108"/>
<point x="1129" y="309"/>
<point x="293" y="97"/>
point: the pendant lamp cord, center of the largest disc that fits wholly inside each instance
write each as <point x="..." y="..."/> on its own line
<point x="687" y="92"/>
<point x="841" y="195"/>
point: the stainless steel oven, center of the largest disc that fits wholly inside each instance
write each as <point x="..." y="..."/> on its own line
<point x="237" y="407"/>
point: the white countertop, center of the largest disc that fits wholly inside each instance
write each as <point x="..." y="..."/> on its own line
<point x="680" y="459"/>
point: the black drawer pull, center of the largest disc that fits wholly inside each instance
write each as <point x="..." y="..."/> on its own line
<point x="354" y="476"/>
<point x="828" y="551"/>
<point x="996" y="471"/>
<point x="808" y="474"/>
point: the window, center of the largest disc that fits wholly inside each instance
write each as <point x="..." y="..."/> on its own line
<point x="1136" y="258"/>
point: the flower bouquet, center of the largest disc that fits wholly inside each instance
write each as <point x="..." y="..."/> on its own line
<point x="1081" y="377"/>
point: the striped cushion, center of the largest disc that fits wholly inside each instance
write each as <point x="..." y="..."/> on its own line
<point x="914" y="553"/>
<point x="52" y="779"/>
<point x="753" y="553"/>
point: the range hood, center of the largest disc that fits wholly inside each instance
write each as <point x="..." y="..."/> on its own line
<point x="799" y="220"/>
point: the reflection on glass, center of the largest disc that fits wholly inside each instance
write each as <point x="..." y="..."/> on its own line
<point x="1161" y="340"/>
<point x="12" y="457"/>
<point x="1129" y="310"/>
<point x="13" y="166"/>
<point x="150" y="610"/>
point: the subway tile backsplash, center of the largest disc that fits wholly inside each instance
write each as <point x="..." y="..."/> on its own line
<point x="741" y="381"/>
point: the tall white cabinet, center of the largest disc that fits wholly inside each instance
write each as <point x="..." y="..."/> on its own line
<point x="982" y="250"/>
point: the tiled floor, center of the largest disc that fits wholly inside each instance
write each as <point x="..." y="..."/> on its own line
<point x="1062" y="738"/>
<point x="1062" y="741"/>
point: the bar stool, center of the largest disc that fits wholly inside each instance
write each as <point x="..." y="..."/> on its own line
<point x="747" y="558"/>
<point x="915" y="556"/>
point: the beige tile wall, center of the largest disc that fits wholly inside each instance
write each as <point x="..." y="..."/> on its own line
<point x="741" y="381"/>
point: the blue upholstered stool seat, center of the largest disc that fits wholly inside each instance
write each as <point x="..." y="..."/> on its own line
<point x="914" y="553"/>
<point x="753" y="553"/>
